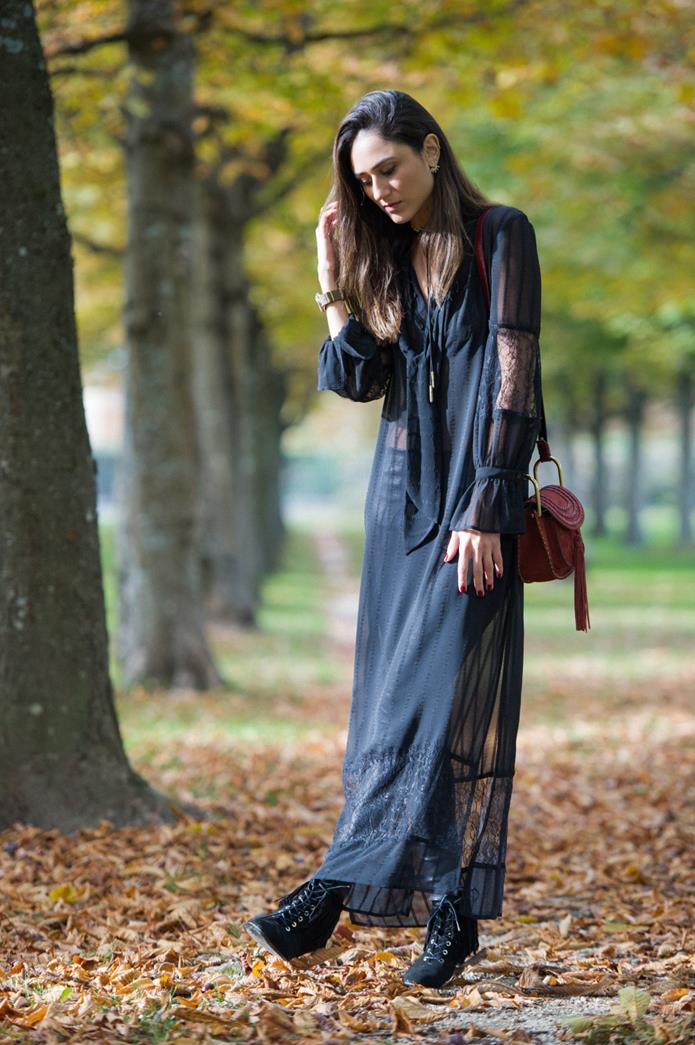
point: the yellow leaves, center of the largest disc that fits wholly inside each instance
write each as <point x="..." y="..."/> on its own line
<point x="675" y="994"/>
<point x="67" y="893"/>
<point x="203" y="827"/>
<point x="507" y="105"/>
<point x="634" y="873"/>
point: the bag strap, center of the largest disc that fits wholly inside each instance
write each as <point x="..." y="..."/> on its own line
<point x="542" y="441"/>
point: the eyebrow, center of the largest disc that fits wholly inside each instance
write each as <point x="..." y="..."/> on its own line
<point x="358" y="174"/>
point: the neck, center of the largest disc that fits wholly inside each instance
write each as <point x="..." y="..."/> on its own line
<point x="419" y="221"/>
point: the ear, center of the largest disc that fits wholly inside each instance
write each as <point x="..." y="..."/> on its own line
<point x="431" y="147"/>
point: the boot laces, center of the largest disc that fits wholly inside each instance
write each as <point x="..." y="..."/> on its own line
<point x="302" y="902"/>
<point x="440" y="932"/>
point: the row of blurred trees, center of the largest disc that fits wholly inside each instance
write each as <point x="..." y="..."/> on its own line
<point x="205" y="129"/>
<point x="194" y="145"/>
<point x="583" y="119"/>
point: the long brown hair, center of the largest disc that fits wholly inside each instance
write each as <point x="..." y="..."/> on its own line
<point x="369" y="246"/>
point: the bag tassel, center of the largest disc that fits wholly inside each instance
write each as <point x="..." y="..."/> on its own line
<point x="581" y="598"/>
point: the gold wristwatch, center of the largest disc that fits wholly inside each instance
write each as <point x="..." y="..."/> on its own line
<point x="323" y="300"/>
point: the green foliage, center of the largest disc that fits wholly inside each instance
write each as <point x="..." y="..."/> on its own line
<point x="583" y="120"/>
<point x="626" y="1023"/>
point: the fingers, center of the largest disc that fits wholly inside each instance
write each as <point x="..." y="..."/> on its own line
<point x="497" y="559"/>
<point x="484" y="551"/>
<point x="324" y="243"/>
<point x="327" y="216"/>
<point x="465" y="556"/>
<point x="478" y="569"/>
<point x="452" y="547"/>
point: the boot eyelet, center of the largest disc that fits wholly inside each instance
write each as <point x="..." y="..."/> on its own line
<point x="294" y="924"/>
<point x="446" y="950"/>
<point x="301" y="917"/>
<point x="287" y="928"/>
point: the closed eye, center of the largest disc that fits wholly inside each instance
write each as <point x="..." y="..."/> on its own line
<point x="388" y="173"/>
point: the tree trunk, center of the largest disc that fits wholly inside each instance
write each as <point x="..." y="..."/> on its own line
<point x="220" y="548"/>
<point x="239" y="397"/>
<point x="633" y="504"/>
<point x="62" y="763"/>
<point x="238" y="323"/>
<point x="161" y="635"/>
<point x="270" y="391"/>
<point x="598" y="430"/>
<point x="685" y="497"/>
<point x="562" y="441"/>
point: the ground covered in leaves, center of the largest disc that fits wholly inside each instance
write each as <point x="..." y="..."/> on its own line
<point x="135" y="935"/>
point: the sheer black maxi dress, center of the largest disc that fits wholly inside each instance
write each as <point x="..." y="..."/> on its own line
<point x="431" y="744"/>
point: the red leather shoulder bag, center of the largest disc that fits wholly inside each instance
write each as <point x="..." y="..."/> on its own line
<point x="551" y="546"/>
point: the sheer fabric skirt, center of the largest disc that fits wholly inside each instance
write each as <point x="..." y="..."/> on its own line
<point x="431" y="744"/>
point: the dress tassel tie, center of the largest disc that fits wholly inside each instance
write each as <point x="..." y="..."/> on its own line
<point x="423" y="496"/>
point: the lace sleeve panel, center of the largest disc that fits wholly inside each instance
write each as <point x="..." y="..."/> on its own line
<point x="507" y="415"/>
<point x="353" y="364"/>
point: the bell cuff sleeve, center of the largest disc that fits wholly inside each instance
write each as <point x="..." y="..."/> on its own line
<point x="507" y="419"/>
<point x="492" y="503"/>
<point x="353" y="364"/>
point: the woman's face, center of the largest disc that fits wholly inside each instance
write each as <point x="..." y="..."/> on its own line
<point x="392" y="173"/>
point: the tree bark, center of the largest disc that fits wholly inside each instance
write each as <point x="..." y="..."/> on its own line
<point x="598" y="431"/>
<point x="221" y="550"/>
<point x="633" y="502"/>
<point x="684" y="398"/>
<point x="161" y="630"/>
<point x="270" y="391"/>
<point x="239" y="397"/>
<point x="62" y="762"/>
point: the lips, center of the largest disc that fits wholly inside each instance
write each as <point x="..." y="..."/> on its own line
<point x="392" y="206"/>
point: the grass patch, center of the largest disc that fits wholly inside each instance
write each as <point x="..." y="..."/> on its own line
<point x="642" y="605"/>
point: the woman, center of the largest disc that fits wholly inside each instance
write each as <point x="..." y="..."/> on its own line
<point x="421" y="839"/>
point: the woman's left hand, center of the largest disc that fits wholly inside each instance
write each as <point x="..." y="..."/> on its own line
<point x="484" y="550"/>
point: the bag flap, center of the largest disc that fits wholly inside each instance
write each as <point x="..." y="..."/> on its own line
<point x="562" y="504"/>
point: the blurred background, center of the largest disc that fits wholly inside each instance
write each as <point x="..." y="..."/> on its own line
<point x="585" y="121"/>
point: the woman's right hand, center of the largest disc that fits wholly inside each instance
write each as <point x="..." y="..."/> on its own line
<point x="324" y="245"/>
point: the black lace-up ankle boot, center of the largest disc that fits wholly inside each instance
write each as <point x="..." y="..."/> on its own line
<point x="304" y="920"/>
<point x="451" y="938"/>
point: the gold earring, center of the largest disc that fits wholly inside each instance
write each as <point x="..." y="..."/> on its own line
<point x="435" y="168"/>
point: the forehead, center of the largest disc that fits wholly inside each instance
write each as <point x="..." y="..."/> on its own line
<point x="369" y="149"/>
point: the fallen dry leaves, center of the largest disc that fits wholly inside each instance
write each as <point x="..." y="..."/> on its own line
<point x="135" y="934"/>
